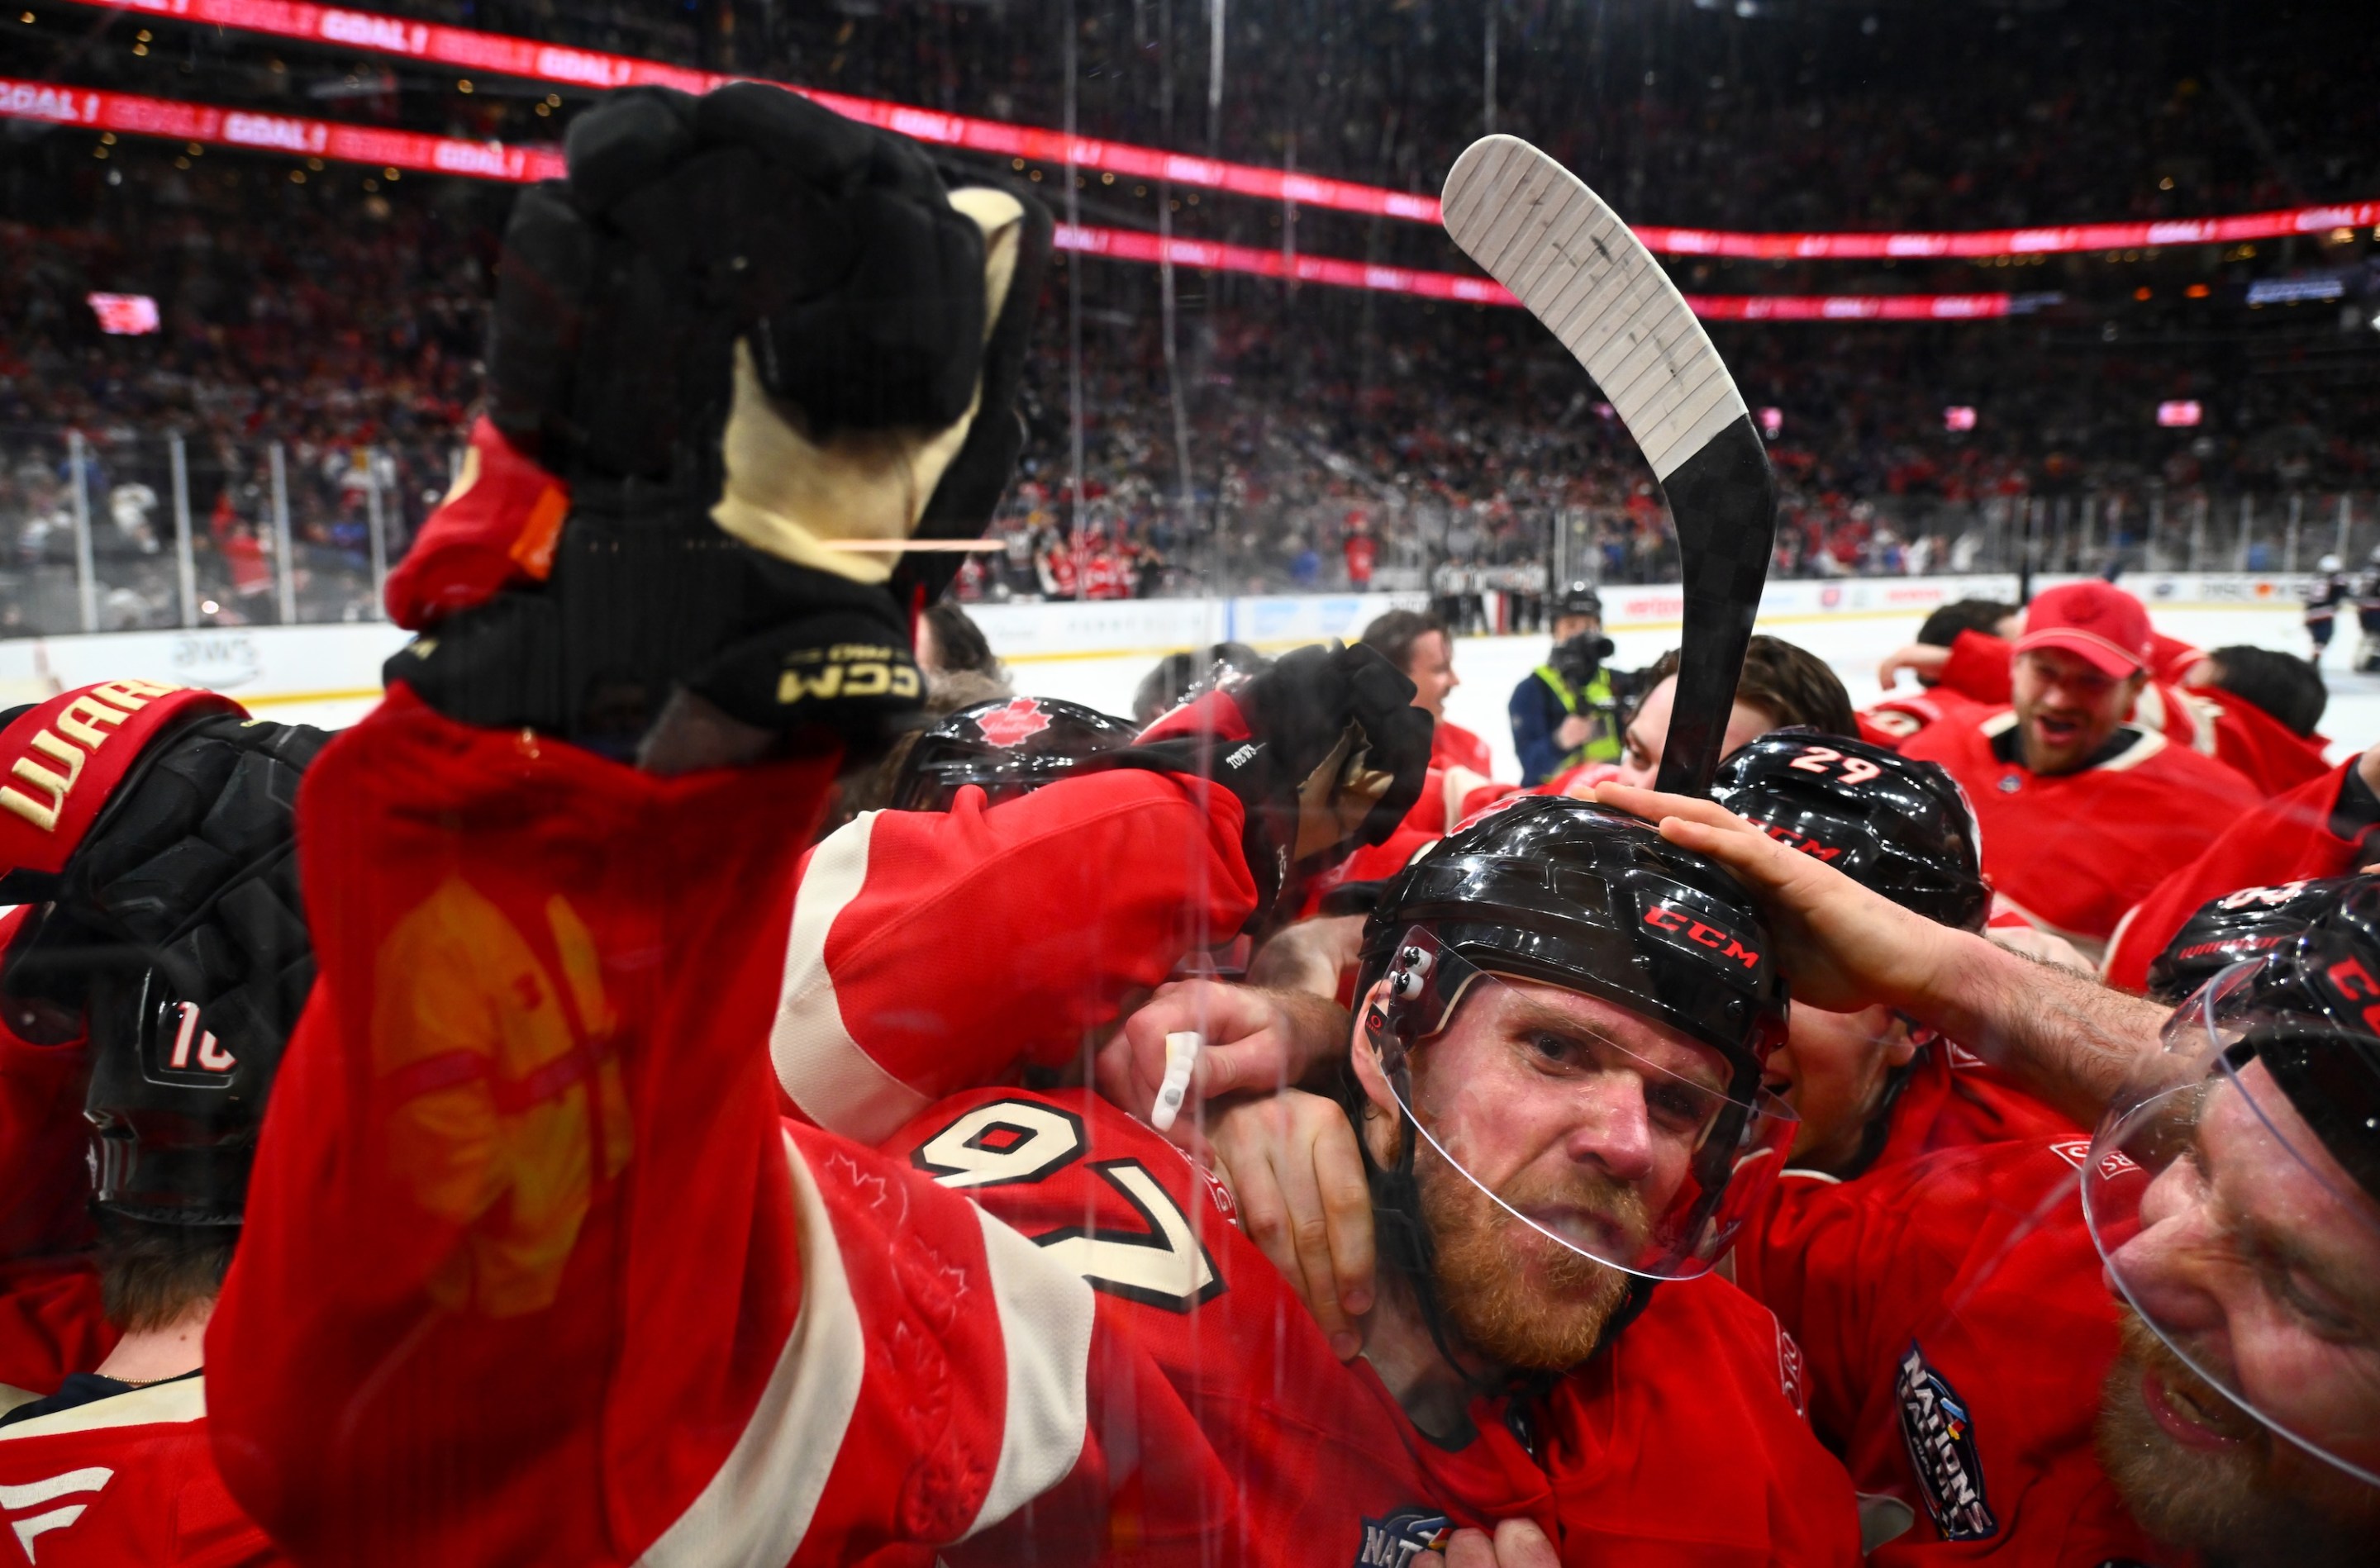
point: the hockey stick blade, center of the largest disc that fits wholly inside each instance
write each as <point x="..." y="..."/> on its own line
<point x="1540" y="232"/>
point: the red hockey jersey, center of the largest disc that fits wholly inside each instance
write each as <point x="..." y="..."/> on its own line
<point x="2207" y="719"/>
<point x="1957" y="1329"/>
<point x="1452" y="746"/>
<point x="934" y="951"/>
<point x="2287" y="839"/>
<point x="50" y="1321"/>
<point x="522" y="1200"/>
<point x="2072" y="852"/>
<point x="128" y="1479"/>
<point x="1893" y="720"/>
<point x="1952" y="1099"/>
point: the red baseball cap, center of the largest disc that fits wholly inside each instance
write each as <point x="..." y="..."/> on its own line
<point x="2096" y="621"/>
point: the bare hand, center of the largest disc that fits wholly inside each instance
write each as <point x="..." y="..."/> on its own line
<point x="1572" y="733"/>
<point x="1841" y="946"/>
<point x="2367" y="768"/>
<point x="1920" y="659"/>
<point x="1518" y="1544"/>
<point x="1255" y="1040"/>
<point x="1291" y="1162"/>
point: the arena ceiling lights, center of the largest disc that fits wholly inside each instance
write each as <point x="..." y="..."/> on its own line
<point x="127" y="114"/>
<point x="503" y="54"/>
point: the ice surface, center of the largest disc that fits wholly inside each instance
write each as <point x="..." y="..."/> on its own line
<point x="1490" y="666"/>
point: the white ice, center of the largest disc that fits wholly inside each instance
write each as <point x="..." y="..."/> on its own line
<point x="1854" y="644"/>
<point x="1490" y="666"/>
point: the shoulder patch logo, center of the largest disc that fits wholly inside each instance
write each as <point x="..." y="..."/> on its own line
<point x="1007" y="726"/>
<point x="1941" y="1438"/>
<point x="1405" y="1534"/>
<point x="1793" y="1373"/>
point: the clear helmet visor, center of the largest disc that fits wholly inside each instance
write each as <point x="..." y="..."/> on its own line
<point x="2238" y="1241"/>
<point x="1597" y="1129"/>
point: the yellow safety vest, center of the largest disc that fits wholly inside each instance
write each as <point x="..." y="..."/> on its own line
<point x="1602" y="715"/>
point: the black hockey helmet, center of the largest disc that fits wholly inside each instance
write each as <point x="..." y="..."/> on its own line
<point x="1894" y="824"/>
<point x="2268" y="1082"/>
<point x="1580" y="896"/>
<point x="1577" y="896"/>
<point x="1006" y="747"/>
<point x="177" y="932"/>
<point x="2248" y="923"/>
<point x="1577" y="598"/>
<point x="2318" y="1002"/>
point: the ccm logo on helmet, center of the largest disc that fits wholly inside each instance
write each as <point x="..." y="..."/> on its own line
<point x="2354" y="984"/>
<point x="71" y="739"/>
<point x="1806" y="845"/>
<point x="1663" y="918"/>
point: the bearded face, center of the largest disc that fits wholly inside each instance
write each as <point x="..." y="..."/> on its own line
<point x="2196" y="1470"/>
<point x="1517" y="1296"/>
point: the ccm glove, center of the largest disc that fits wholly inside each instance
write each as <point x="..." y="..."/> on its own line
<point x="743" y="353"/>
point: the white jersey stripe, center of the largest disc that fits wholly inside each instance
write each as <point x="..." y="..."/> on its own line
<point x="184" y="1399"/>
<point x="757" y="1508"/>
<point x="1045" y="1325"/>
<point x="90" y="1479"/>
<point x="836" y="1084"/>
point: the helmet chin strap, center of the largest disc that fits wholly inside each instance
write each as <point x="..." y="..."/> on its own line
<point x="1402" y="1229"/>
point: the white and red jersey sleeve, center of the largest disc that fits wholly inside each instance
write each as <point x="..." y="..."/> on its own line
<point x="933" y="951"/>
<point x="2287" y="839"/>
<point x="532" y="1269"/>
<point x="533" y="1272"/>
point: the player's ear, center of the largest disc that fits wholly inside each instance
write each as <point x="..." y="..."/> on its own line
<point x="1372" y="1042"/>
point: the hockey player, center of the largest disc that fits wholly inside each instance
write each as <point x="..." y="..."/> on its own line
<point x="1782" y="686"/>
<point x="151" y="981"/>
<point x="2231" y="1191"/>
<point x="1566" y="712"/>
<point x="2324" y="592"/>
<point x="2367" y="615"/>
<point x="2081" y="810"/>
<point x="1900" y="716"/>
<point x="1871" y="1089"/>
<point x="1419" y="647"/>
<point x="525" y="1147"/>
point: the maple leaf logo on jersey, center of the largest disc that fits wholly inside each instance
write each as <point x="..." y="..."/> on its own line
<point x="1405" y="1534"/>
<point x="1007" y="726"/>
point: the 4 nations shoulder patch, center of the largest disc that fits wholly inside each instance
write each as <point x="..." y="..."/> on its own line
<point x="1405" y="1534"/>
<point x="1940" y="1435"/>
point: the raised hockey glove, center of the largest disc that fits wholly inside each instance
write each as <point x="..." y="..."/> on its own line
<point x="743" y="355"/>
<point x="156" y="827"/>
<point x="1324" y="750"/>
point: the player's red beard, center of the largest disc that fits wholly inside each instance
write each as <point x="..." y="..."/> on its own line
<point x="1516" y="1296"/>
<point x="2256" y="1500"/>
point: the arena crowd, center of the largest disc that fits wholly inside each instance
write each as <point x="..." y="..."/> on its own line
<point x="707" y="1073"/>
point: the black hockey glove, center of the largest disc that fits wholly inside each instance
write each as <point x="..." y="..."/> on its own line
<point x="1324" y="750"/>
<point x="746" y="335"/>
